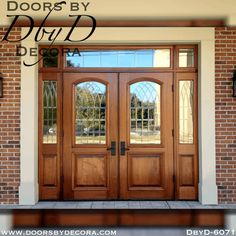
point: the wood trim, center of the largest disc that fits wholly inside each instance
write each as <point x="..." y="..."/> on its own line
<point x="70" y="218"/>
<point x="129" y="23"/>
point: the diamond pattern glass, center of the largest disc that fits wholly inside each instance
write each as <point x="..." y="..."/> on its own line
<point x="90" y="113"/>
<point x="145" y="113"/>
<point x="49" y="112"/>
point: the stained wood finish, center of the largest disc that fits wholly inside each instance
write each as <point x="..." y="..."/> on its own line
<point x="129" y="176"/>
<point x="146" y="170"/>
<point x="49" y="154"/>
<point x="90" y="172"/>
<point x="177" y="218"/>
<point x="129" y="23"/>
<point x="187" y="154"/>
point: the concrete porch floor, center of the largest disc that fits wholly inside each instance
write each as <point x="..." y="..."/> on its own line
<point x="119" y="205"/>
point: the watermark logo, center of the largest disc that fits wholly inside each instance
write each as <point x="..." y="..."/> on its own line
<point x="54" y="33"/>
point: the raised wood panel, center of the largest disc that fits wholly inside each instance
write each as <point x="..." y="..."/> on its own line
<point x="50" y="170"/>
<point x="90" y="170"/>
<point x="186" y="170"/>
<point x="145" y="170"/>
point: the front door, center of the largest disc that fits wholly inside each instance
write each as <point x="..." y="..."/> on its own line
<point x="146" y="141"/>
<point x="118" y="139"/>
<point x="90" y="156"/>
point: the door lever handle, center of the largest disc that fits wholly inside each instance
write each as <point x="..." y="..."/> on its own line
<point x="123" y="148"/>
<point x="112" y="148"/>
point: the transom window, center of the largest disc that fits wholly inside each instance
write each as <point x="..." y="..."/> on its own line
<point x="120" y="58"/>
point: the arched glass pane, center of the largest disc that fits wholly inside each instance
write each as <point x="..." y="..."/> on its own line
<point x="186" y="112"/>
<point x="90" y="113"/>
<point x="145" y="113"/>
<point x="49" y="112"/>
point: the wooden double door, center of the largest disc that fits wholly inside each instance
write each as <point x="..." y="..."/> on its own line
<point x="114" y="137"/>
<point x="118" y="139"/>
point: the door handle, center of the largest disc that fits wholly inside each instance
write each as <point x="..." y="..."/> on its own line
<point x="123" y="148"/>
<point x="112" y="148"/>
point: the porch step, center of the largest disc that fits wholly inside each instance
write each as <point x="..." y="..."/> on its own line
<point x="119" y="205"/>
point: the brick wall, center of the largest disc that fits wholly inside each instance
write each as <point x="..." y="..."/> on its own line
<point x="225" y="114"/>
<point x="9" y="121"/>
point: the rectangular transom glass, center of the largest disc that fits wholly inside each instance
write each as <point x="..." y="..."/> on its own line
<point x="145" y="113"/>
<point x="49" y="112"/>
<point x="186" y="107"/>
<point x="90" y="113"/>
<point x="120" y="58"/>
<point x="186" y="57"/>
<point x="50" y="58"/>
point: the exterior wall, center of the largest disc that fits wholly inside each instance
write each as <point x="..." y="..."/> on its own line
<point x="225" y="58"/>
<point x="10" y="121"/>
<point x="225" y="118"/>
<point x="141" y="10"/>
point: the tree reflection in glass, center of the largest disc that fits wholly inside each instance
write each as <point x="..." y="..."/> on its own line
<point x="145" y="113"/>
<point x="90" y="113"/>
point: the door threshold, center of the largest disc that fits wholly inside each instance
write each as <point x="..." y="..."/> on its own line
<point x="119" y="205"/>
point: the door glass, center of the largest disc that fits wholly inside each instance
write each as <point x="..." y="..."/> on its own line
<point x="120" y="58"/>
<point x="145" y="113"/>
<point x="90" y="113"/>
<point x="49" y="112"/>
<point x="186" y="111"/>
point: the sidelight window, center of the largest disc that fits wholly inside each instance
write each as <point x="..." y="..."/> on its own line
<point x="49" y="112"/>
<point x="186" y="111"/>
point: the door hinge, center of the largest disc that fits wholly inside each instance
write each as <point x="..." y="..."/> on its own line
<point x="172" y="88"/>
<point x="62" y="178"/>
<point x="174" y="178"/>
<point x="173" y="132"/>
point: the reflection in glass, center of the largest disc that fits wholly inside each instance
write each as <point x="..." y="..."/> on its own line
<point x="186" y="57"/>
<point x="120" y="58"/>
<point x="90" y="113"/>
<point x="145" y="113"/>
<point x="49" y="112"/>
<point x="162" y="58"/>
<point x="186" y="112"/>
<point x="50" y="58"/>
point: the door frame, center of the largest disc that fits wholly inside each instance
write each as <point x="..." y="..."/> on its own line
<point x="28" y="191"/>
<point x="183" y="192"/>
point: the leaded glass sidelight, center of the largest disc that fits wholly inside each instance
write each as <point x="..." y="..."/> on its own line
<point x="90" y="113"/>
<point x="145" y="113"/>
<point x="186" y="111"/>
<point x="49" y="112"/>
